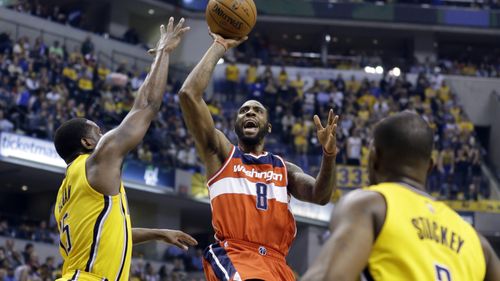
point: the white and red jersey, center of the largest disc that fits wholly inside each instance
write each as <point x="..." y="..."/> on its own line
<point x="250" y="201"/>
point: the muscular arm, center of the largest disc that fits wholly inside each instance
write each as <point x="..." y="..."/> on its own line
<point x="209" y="141"/>
<point x="104" y="165"/>
<point x="175" y="237"/>
<point x="306" y="188"/>
<point x="492" y="261"/>
<point x="354" y="222"/>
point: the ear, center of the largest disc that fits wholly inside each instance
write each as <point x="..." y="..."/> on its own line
<point x="269" y="127"/>
<point x="88" y="143"/>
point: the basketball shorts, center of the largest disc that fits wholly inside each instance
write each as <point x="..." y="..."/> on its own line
<point x="236" y="260"/>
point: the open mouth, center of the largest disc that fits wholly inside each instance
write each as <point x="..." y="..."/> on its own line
<point x="250" y="126"/>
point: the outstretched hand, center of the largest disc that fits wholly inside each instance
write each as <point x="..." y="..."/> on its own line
<point x="226" y="42"/>
<point x="170" y="37"/>
<point x="178" y="238"/>
<point x="327" y="136"/>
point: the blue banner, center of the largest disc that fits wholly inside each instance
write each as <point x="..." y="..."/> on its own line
<point x="151" y="175"/>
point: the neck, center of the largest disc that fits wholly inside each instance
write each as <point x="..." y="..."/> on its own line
<point x="412" y="179"/>
<point x="256" y="149"/>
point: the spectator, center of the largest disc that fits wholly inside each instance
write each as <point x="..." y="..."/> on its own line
<point x="87" y="47"/>
<point x="232" y="77"/>
<point x="300" y="133"/>
<point x="5" y="125"/>
<point x="197" y="260"/>
<point x="56" y="50"/>
<point x="354" y="149"/>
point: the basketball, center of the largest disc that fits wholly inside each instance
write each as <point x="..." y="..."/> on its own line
<point x="231" y="18"/>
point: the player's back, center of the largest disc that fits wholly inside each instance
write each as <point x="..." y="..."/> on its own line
<point x="423" y="239"/>
<point x="249" y="200"/>
<point x="95" y="230"/>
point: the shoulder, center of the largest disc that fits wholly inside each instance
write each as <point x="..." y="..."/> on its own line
<point x="361" y="203"/>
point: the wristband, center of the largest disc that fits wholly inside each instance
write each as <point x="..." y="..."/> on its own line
<point x="326" y="153"/>
<point x="222" y="43"/>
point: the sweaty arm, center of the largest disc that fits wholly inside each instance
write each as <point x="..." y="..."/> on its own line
<point x="355" y="220"/>
<point x="319" y="190"/>
<point x="492" y="261"/>
<point x="175" y="237"/>
<point x="212" y="146"/>
<point x="104" y="165"/>
<point x="306" y="188"/>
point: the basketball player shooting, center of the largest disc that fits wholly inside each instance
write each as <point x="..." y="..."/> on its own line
<point x="250" y="188"/>
<point x="394" y="230"/>
<point x="94" y="221"/>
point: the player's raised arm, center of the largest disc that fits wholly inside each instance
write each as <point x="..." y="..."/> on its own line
<point x="304" y="187"/>
<point x="209" y="141"/>
<point x="354" y="222"/>
<point x="112" y="148"/>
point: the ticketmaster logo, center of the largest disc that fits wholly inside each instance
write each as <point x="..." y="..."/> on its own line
<point x="269" y="175"/>
<point x="36" y="150"/>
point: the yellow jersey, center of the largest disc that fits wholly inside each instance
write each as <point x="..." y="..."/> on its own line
<point x="423" y="239"/>
<point x="95" y="230"/>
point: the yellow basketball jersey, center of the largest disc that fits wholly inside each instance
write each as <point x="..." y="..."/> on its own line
<point x="423" y="239"/>
<point x="95" y="231"/>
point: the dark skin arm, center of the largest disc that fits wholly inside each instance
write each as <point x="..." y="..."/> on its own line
<point x="211" y="144"/>
<point x="491" y="259"/>
<point x="104" y="165"/>
<point x="175" y="237"/>
<point x="356" y="222"/>
<point x="306" y="188"/>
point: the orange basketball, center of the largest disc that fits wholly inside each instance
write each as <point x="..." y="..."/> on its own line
<point x="231" y="18"/>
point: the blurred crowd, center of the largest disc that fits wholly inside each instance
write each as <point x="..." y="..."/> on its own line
<point x="25" y="264"/>
<point x="43" y="85"/>
<point x="53" y="13"/>
<point x="360" y="104"/>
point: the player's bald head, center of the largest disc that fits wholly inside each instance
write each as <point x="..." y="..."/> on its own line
<point x="404" y="138"/>
<point x="401" y="149"/>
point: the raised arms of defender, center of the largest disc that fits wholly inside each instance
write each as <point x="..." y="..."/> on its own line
<point x="211" y="144"/>
<point x="104" y="165"/>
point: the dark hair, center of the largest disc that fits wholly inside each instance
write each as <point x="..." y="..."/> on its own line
<point x="404" y="138"/>
<point x="67" y="139"/>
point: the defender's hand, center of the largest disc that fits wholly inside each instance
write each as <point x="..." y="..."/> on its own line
<point x="327" y="136"/>
<point x="227" y="43"/>
<point x="177" y="238"/>
<point x="170" y="37"/>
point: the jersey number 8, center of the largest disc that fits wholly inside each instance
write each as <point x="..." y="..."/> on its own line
<point x="261" y="196"/>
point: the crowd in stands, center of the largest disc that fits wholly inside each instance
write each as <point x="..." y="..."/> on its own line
<point x="43" y="85"/>
<point x="24" y="264"/>
<point x="50" y="12"/>
<point x="360" y="104"/>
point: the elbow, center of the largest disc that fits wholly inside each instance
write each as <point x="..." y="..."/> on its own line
<point x="185" y="94"/>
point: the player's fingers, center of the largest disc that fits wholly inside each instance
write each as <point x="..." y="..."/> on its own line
<point x="336" y="119"/>
<point x="179" y="25"/>
<point x="162" y="29"/>
<point x="317" y="122"/>
<point x="241" y="40"/>
<point x="170" y="25"/>
<point x="188" y="240"/>
<point x="152" y="51"/>
<point x="330" y="117"/>
<point x="184" y="30"/>
<point x="180" y="245"/>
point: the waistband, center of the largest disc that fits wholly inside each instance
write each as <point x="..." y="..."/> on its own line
<point x="78" y="275"/>
<point x="253" y="247"/>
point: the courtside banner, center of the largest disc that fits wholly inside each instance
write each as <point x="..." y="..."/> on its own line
<point x="30" y="149"/>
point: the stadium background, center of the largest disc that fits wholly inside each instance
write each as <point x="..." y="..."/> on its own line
<point x="364" y="59"/>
